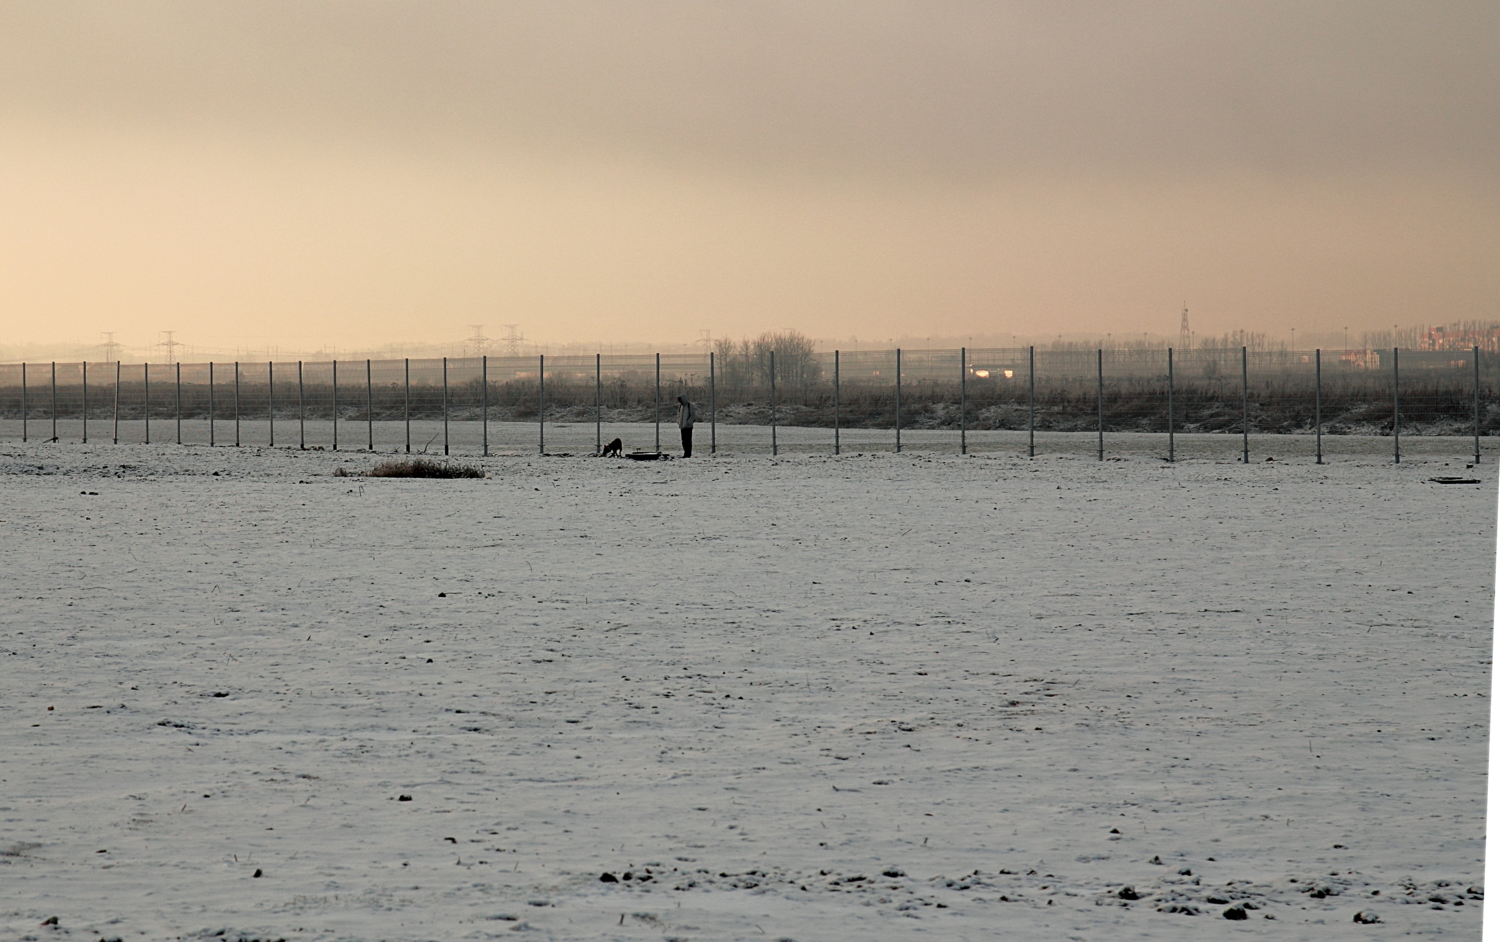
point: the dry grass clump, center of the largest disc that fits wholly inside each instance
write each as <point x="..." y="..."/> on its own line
<point x="422" y="468"/>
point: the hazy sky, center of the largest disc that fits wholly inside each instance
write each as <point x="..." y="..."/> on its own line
<point x="357" y="173"/>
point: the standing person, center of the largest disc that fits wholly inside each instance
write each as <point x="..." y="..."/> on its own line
<point x="685" y="423"/>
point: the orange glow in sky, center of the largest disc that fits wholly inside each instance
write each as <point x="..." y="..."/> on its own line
<point x="347" y="175"/>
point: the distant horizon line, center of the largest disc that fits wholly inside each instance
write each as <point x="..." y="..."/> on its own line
<point x="1486" y="333"/>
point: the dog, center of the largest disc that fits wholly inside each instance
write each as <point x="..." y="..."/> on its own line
<point x="614" y="449"/>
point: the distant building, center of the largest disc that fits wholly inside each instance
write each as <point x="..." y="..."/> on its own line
<point x="1360" y="359"/>
<point x="1462" y="337"/>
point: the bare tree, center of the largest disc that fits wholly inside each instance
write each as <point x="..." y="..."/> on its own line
<point x="748" y="363"/>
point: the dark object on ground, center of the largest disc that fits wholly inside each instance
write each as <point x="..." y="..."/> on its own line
<point x="1129" y="893"/>
<point x="1236" y="912"/>
<point x="646" y="456"/>
<point x="613" y="449"/>
<point x="1366" y="919"/>
<point x="404" y="798"/>
<point x="423" y="468"/>
<point x="608" y="878"/>
<point x="256" y="874"/>
<point x="1452" y="480"/>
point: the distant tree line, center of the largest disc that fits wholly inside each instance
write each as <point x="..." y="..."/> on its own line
<point x="747" y="364"/>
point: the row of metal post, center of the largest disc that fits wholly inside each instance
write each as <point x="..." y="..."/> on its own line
<point x="212" y="405"/>
<point x="713" y="403"/>
<point x="1030" y="403"/>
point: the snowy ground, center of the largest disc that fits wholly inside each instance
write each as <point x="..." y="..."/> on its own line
<point x="816" y="698"/>
<point x="466" y="437"/>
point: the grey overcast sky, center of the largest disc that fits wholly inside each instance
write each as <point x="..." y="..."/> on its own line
<point x="356" y="173"/>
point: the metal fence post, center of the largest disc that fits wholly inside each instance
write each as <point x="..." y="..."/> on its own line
<point x="24" y="428"/>
<point x="1031" y="402"/>
<point x="713" y="407"/>
<point x="898" y="400"/>
<point x="1476" y="401"/>
<point x="835" y="402"/>
<point x="369" y="408"/>
<point x="658" y="403"/>
<point x="271" y="402"/>
<point x="1318" y="398"/>
<point x="335" y="405"/>
<point x="599" y="402"/>
<point x="1245" y="399"/>
<point x="178" y="369"/>
<point x="1396" y="400"/>
<point x="301" y="413"/>
<point x="54" y="400"/>
<point x="117" y="403"/>
<point x="484" y="383"/>
<point x="1171" y="412"/>
<point x="406" y="382"/>
<point x="1100" y="354"/>
<point x="210" y="403"/>
<point x="773" y="403"/>
<point x="963" y="400"/>
<point x="445" y="405"/>
<point x="236" y="403"/>
<point x="146" y="396"/>
<point x="85" y="402"/>
<point x="541" y="403"/>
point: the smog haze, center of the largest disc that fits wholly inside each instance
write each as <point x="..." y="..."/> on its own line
<point x="350" y="174"/>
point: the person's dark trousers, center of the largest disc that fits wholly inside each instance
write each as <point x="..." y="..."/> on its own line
<point x="687" y="443"/>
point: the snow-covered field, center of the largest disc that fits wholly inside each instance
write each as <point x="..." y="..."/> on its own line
<point x="816" y="698"/>
<point x="467" y="437"/>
